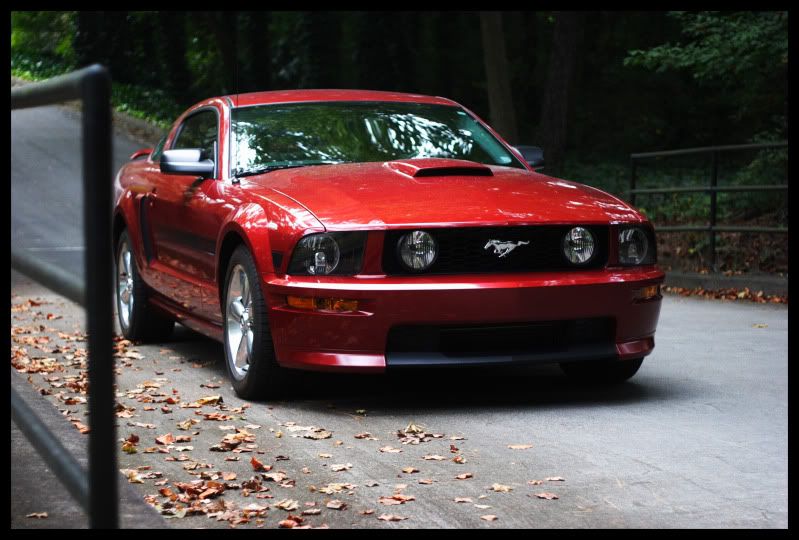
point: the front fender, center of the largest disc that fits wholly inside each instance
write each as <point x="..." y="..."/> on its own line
<point x="270" y="229"/>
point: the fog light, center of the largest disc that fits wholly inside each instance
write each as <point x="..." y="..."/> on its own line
<point x="646" y="293"/>
<point x="339" y="305"/>
<point x="300" y="302"/>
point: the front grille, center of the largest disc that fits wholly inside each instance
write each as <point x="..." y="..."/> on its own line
<point x="512" y="343"/>
<point x="463" y="250"/>
<point x="515" y="338"/>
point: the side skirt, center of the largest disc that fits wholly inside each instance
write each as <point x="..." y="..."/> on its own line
<point x="207" y="328"/>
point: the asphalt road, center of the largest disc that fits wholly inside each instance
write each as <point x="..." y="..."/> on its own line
<point x="698" y="438"/>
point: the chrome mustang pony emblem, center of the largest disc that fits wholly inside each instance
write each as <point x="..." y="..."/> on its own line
<point x="503" y="248"/>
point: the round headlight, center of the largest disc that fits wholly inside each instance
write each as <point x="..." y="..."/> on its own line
<point x="578" y="245"/>
<point x="633" y="246"/>
<point x="417" y="250"/>
<point x="321" y="254"/>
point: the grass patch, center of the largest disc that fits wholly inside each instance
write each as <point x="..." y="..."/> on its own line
<point x="150" y="104"/>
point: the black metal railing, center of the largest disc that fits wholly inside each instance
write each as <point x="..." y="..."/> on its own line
<point x="712" y="189"/>
<point x="96" y="491"/>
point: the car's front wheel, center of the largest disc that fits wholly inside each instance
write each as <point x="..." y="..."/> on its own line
<point x="602" y="371"/>
<point x="249" y="353"/>
<point x="137" y="319"/>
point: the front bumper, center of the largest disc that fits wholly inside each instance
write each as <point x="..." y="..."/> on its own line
<point x="357" y="342"/>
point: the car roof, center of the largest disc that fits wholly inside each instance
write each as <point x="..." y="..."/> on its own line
<point x="294" y="96"/>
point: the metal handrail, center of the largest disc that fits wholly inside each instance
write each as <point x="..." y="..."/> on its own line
<point x="98" y="495"/>
<point x="712" y="189"/>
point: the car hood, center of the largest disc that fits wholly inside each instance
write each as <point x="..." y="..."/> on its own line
<point x="439" y="192"/>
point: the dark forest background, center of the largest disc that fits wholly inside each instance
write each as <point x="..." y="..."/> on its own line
<point x="588" y="87"/>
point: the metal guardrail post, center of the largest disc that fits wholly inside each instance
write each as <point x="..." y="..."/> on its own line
<point x="714" y="177"/>
<point x="97" y="175"/>
<point x="92" y="85"/>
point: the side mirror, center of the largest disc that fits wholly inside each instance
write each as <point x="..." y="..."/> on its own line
<point x="533" y="155"/>
<point x="140" y="152"/>
<point x="187" y="161"/>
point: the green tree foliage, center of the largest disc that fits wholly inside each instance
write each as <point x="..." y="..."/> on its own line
<point x="741" y="55"/>
<point x="640" y="80"/>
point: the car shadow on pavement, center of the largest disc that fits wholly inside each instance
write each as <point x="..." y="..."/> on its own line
<point x="444" y="388"/>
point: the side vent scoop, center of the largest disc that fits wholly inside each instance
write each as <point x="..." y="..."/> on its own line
<point x="435" y="167"/>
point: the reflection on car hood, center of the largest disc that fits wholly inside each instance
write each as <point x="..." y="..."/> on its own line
<point x="394" y="195"/>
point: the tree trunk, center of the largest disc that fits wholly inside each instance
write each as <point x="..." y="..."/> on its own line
<point x="500" y="101"/>
<point x="553" y="129"/>
<point x="177" y="78"/>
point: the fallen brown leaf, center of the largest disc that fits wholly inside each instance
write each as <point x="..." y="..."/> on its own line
<point x="165" y="439"/>
<point x="489" y="517"/>
<point x="336" y="505"/>
<point x="546" y="495"/>
<point x="390" y="517"/>
<point x="257" y="465"/>
<point x="520" y="446"/>
<point x="332" y="488"/>
<point x="318" y="435"/>
<point x="397" y="498"/>
<point x="37" y="515"/>
<point x="464" y="476"/>
<point x="501" y="488"/>
<point x="289" y="505"/>
<point x="409" y="470"/>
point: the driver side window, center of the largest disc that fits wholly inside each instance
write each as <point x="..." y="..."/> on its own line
<point x="198" y="131"/>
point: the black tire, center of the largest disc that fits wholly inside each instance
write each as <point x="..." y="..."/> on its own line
<point x="263" y="377"/>
<point x="601" y="372"/>
<point x="144" y="323"/>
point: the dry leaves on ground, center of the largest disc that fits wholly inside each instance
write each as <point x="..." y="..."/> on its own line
<point x="289" y="505"/>
<point x="334" y="487"/>
<point x="397" y="498"/>
<point x="390" y="517"/>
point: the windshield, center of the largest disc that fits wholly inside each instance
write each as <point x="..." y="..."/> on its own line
<point x="267" y="137"/>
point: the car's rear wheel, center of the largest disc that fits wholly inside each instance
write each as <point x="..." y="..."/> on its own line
<point x="137" y="319"/>
<point x="602" y="372"/>
<point x="249" y="352"/>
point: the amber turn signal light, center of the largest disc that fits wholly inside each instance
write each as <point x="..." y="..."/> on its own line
<point x="339" y="305"/>
<point x="647" y="293"/>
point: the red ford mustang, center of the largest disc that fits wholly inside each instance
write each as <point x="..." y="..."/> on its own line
<point x="357" y="231"/>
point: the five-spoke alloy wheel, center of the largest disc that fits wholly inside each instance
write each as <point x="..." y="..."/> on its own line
<point x="137" y="319"/>
<point x="249" y="352"/>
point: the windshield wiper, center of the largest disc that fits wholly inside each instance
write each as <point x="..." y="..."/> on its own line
<point x="271" y="168"/>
